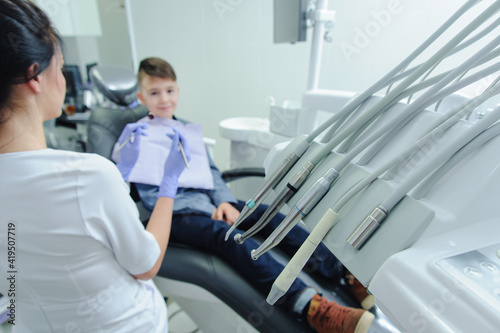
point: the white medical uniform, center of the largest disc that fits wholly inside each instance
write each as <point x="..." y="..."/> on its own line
<point x="78" y="238"/>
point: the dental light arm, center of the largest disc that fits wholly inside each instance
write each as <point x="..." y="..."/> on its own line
<point x="303" y="206"/>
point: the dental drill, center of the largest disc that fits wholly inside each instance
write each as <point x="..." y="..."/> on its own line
<point x="351" y="105"/>
<point x="274" y="179"/>
<point x="303" y="206"/>
<point x="287" y="192"/>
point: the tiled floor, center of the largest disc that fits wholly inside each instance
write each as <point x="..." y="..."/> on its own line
<point x="178" y="320"/>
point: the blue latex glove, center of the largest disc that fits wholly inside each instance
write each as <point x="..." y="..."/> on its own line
<point x="174" y="165"/>
<point x="129" y="141"/>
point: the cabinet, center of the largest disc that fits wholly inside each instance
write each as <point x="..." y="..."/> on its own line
<point x="73" y="17"/>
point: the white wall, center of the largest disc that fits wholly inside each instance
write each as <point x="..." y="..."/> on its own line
<point x="227" y="64"/>
<point x="110" y="46"/>
<point x="114" y="44"/>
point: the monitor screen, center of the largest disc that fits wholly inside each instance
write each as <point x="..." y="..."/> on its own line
<point x="73" y="80"/>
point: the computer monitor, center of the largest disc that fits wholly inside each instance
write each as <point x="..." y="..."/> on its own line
<point x="74" y="81"/>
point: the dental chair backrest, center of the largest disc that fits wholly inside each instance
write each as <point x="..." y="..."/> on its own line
<point x="118" y="85"/>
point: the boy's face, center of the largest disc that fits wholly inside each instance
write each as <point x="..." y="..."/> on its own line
<point x="159" y="95"/>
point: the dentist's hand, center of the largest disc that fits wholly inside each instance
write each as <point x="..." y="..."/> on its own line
<point x="129" y="141"/>
<point x="174" y="165"/>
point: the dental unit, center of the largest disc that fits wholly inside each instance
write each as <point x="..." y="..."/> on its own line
<point x="386" y="131"/>
<point x="376" y="217"/>
<point x="377" y="210"/>
<point x="280" y="171"/>
<point x="300" y="149"/>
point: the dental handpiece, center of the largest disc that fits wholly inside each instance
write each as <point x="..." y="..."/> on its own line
<point x="284" y="281"/>
<point x="288" y="191"/>
<point x="305" y="204"/>
<point x="274" y="179"/>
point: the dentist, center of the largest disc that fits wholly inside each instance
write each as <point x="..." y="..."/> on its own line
<point x="74" y="255"/>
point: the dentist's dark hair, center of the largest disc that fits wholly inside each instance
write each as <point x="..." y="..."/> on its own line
<point x="27" y="37"/>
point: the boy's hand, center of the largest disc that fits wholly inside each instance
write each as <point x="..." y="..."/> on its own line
<point x="129" y="145"/>
<point x="226" y="212"/>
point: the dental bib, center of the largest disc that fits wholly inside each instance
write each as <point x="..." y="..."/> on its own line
<point x="154" y="150"/>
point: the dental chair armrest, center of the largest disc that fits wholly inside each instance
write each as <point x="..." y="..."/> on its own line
<point x="235" y="174"/>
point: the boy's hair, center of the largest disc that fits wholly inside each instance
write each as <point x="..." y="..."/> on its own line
<point x="155" y="67"/>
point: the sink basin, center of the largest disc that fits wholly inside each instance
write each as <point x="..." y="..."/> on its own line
<point x="240" y="128"/>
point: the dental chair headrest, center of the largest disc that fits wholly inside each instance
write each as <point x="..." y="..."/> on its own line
<point x="117" y="83"/>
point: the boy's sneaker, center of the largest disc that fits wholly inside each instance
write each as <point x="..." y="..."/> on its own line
<point x="359" y="292"/>
<point x="329" y="317"/>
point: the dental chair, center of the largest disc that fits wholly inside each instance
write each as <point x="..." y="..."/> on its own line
<point x="211" y="292"/>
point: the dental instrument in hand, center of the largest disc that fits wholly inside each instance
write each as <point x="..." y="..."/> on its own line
<point x="277" y="176"/>
<point x="130" y="138"/>
<point x="287" y="192"/>
<point x="303" y="206"/>
<point x="364" y="231"/>
<point x="183" y="155"/>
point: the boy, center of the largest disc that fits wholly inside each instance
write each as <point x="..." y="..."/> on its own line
<point x="202" y="217"/>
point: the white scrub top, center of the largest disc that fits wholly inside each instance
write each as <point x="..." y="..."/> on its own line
<point x="78" y="239"/>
